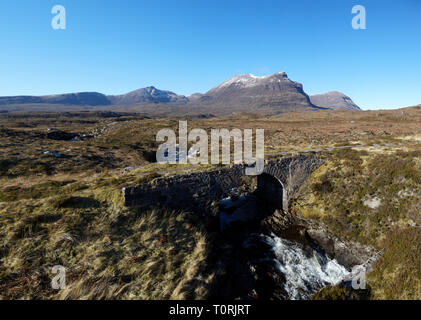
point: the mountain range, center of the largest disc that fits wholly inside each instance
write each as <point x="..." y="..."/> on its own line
<point x="242" y="93"/>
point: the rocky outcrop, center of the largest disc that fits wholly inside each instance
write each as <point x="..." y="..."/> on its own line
<point x="347" y="253"/>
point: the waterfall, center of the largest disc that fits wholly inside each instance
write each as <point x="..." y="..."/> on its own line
<point x="306" y="270"/>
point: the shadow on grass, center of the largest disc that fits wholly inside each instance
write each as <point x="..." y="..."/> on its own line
<point x="76" y="202"/>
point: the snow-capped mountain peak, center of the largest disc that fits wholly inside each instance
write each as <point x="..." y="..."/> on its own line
<point x="250" y="80"/>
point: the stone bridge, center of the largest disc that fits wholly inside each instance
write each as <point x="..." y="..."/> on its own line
<point x="200" y="192"/>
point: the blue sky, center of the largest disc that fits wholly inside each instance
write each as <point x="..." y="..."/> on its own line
<point x="190" y="46"/>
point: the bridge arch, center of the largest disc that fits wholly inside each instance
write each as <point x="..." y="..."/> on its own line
<point x="199" y="191"/>
<point x="272" y="191"/>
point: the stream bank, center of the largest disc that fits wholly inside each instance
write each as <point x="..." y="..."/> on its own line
<point x="270" y="254"/>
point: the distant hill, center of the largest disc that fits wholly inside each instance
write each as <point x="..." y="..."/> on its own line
<point x="81" y="98"/>
<point x="147" y="95"/>
<point x="275" y="93"/>
<point x="334" y="100"/>
<point x="144" y="95"/>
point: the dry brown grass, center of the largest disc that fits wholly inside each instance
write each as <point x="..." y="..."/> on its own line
<point x="112" y="252"/>
<point x="109" y="252"/>
<point x="336" y="196"/>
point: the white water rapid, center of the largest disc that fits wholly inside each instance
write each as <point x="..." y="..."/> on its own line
<point x="306" y="271"/>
